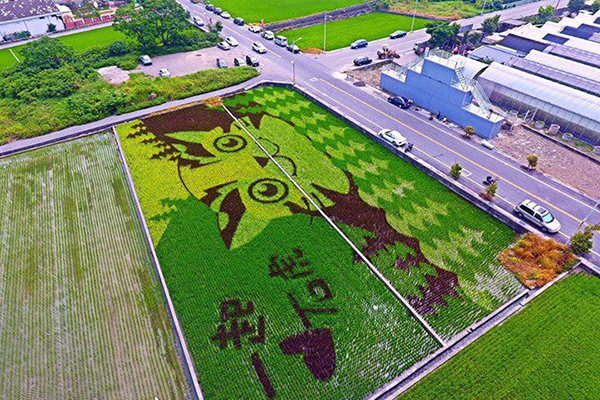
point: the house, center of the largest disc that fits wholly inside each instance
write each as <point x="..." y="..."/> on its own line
<point x="33" y="16"/>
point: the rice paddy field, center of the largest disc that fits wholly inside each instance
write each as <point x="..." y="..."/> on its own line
<point x="547" y="351"/>
<point x="342" y="33"/>
<point x="280" y="10"/>
<point x="81" y="313"/>
<point x="273" y="301"/>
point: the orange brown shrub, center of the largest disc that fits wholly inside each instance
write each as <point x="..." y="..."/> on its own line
<point x="536" y="261"/>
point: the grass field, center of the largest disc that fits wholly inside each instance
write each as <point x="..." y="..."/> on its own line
<point x="342" y="33"/>
<point x="79" y="41"/>
<point x="234" y="253"/>
<point x="450" y="9"/>
<point x="280" y="10"/>
<point x="81" y="312"/>
<point x="547" y="351"/>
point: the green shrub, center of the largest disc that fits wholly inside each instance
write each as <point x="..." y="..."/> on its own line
<point x="119" y="48"/>
<point x="456" y="170"/>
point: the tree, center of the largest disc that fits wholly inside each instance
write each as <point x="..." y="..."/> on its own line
<point x="532" y="161"/>
<point x="491" y="25"/>
<point x="595" y="6"/>
<point x="475" y="38"/>
<point x="217" y="27"/>
<point x="118" y="48"/>
<point x="156" y="23"/>
<point x="576" y="5"/>
<point x="456" y="170"/>
<point x="45" y="53"/>
<point x="469" y="131"/>
<point x="443" y="34"/>
<point x="51" y="28"/>
<point x="581" y="242"/>
<point x="491" y="190"/>
<point x="544" y="14"/>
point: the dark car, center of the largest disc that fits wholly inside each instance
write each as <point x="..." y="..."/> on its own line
<point x="251" y="61"/>
<point x="239" y="21"/>
<point x="210" y="7"/>
<point x="400" y="101"/>
<point x="221" y="63"/>
<point x="293" y="48"/>
<point x="362" y="61"/>
<point x="397" y="34"/>
<point x="237" y="61"/>
<point x="218" y="11"/>
<point x="359" y="43"/>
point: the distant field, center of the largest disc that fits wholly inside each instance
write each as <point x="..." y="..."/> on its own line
<point x="548" y="351"/>
<point x="451" y="9"/>
<point x="79" y="41"/>
<point x="341" y="33"/>
<point x="81" y="312"/>
<point x="280" y="10"/>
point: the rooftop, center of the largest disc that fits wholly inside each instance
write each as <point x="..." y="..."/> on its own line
<point x="11" y="10"/>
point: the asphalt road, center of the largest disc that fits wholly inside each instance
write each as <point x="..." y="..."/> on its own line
<point x="434" y="142"/>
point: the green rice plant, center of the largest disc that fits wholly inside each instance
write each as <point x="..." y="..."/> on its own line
<point x="82" y="315"/>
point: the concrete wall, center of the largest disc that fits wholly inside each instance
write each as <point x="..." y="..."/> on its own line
<point x="438" y="95"/>
<point x="36" y="25"/>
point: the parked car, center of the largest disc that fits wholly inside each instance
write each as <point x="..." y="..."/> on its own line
<point x="362" y="61"/>
<point x="239" y="21"/>
<point x="537" y="215"/>
<point x="221" y="63"/>
<point x="164" y="73"/>
<point x="210" y="7"/>
<point x="258" y="47"/>
<point x="293" y="48"/>
<point x="237" y="62"/>
<point x="145" y="60"/>
<point x="397" y="34"/>
<point x="218" y="10"/>
<point x="225" y="15"/>
<point x="269" y="35"/>
<point x="197" y="21"/>
<point x="359" y="43"/>
<point x="393" y="137"/>
<point x="231" y="41"/>
<point x="224" y="46"/>
<point x="254" y="28"/>
<point x="252" y="61"/>
<point x="400" y="101"/>
<point x="195" y="1"/>
<point x="281" y="41"/>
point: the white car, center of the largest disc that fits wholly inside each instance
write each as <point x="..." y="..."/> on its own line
<point x="269" y="35"/>
<point x="232" y="42"/>
<point x="258" y="47"/>
<point x="393" y="137"/>
<point x="197" y="20"/>
<point x="225" y="15"/>
<point x="537" y="215"/>
<point x="224" y="46"/>
<point x="145" y="60"/>
<point x="254" y="28"/>
<point x="164" y="73"/>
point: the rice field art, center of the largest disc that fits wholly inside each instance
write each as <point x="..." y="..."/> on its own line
<point x="81" y="313"/>
<point x="244" y="199"/>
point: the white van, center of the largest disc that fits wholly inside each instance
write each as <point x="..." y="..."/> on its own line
<point x="281" y="41"/>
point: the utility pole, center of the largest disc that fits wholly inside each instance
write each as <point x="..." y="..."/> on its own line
<point x="293" y="73"/>
<point x="412" y="26"/>
<point x="324" y="31"/>
<point x="585" y="219"/>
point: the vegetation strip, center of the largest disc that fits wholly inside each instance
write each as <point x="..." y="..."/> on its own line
<point x="341" y="233"/>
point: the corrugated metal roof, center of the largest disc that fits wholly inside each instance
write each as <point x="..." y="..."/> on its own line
<point x="556" y="75"/>
<point x="11" y="10"/>
<point x="574" y="101"/>
<point x="492" y="53"/>
<point x="579" y="55"/>
<point x="564" y="64"/>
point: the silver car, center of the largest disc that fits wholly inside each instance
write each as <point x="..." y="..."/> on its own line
<point x="538" y="216"/>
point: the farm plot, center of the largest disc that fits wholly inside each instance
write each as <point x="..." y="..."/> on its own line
<point x="547" y="351"/>
<point x="272" y="300"/>
<point x="437" y="249"/>
<point x="81" y="312"/>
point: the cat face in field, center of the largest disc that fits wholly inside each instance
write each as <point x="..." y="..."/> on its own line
<point x="228" y="172"/>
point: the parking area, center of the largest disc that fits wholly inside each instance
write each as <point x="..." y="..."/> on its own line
<point x="187" y="63"/>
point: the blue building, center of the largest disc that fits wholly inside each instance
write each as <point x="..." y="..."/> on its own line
<point x="440" y="82"/>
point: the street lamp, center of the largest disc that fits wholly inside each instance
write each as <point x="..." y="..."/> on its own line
<point x="585" y="219"/>
<point x="324" y="31"/>
<point x="293" y="73"/>
<point x="414" y="14"/>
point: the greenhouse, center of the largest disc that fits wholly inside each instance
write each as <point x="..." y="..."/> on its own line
<point x="574" y="111"/>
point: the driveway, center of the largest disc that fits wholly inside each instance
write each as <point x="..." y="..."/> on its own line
<point x="187" y="63"/>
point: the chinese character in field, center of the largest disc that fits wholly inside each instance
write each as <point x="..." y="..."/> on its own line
<point x="292" y="266"/>
<point x="234" y="326"/>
